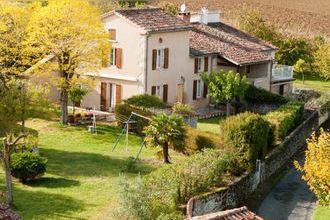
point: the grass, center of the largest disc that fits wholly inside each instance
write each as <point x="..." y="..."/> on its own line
<point x="82" y="172"/>
<point x="210" y="124"/>
<point x="322" y="213"/>
<point x="312" y="83"/>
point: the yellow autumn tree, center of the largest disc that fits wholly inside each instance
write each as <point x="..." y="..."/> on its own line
<point x="15" y="53"/>
<point x="71" y="31"/>
<point x="316" y="170"/>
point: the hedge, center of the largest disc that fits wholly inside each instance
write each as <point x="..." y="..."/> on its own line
<point x="197" y="140"/>
<point x="286" y="118"/>
<point x="145" y="101"/>
<point x="247" y="134"/>
<point x="259" y="95"/>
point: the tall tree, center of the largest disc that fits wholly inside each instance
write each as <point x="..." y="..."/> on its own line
<point x="225" y="86"/>
<point x="166" y="131"/>
<point x="73" y="32"/>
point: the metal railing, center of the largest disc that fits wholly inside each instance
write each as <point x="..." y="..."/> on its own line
<point x="281" y="72"/>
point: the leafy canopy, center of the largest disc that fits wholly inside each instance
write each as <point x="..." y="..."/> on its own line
<point x="317" y="166"/>
<point x="15" y="52"/>
<point x="223" y="86"/>
<point x="165" y="129"/>
<point x="73" y="32"/>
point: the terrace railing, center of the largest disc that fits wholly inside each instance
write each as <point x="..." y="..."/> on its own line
<point x="282" y="72"/>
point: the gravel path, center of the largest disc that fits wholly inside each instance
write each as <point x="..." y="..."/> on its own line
<point x="289" y="199"/>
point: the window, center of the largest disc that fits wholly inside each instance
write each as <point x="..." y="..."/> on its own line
<point x="248" y="69"/>
<point x="199" y="88"/>
<point x="199" y="65"/>
<point x="113" y="57"/>
<point x="113" y="34"/>
<point x="160" y="58"/>
<point x="158" y="91"/>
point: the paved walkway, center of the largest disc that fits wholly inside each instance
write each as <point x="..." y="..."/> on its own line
<point x="289" y="199"/>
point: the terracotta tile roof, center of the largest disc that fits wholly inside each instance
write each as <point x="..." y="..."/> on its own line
<point x="228" y="42"/>
<point x="154" y="19"/>
<point x="232" y="214"/>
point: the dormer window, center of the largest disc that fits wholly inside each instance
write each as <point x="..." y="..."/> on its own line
<point x="113" y="34"/>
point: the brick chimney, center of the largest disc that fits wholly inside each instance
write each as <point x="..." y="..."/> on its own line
<point x="184" y="14"/>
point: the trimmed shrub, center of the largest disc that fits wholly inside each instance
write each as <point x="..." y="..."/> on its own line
<point x="286" y="118"/>
<point x="27" y="166"/>
<point x="146" y="101"/>
<point x="258" y="95"/>
<point x="247" y="134"/>
<point x="197" y="140"/>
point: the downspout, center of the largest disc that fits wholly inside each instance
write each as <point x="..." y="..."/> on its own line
<point x="146" y="65"/>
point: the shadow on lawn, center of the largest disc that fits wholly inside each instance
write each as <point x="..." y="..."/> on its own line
<point x="51" y="182"/>
<point x="41" y="205"/>
<point x="64" y="163"/>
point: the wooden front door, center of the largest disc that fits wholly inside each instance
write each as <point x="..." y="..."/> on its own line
<point x="180" y="92"/>
<point x="281" y="89"/>
<point x="118" y="94"/>
<point x="103" y="96"/>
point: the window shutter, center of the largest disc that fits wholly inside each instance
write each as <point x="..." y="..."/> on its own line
<point x="196" y="65"/>
<point x="205" y="90"/>
<point x="153" y="90"/>
<point x="206" y="64"/>
<point x="112" y="33"/>
<point x="165" y="93"/>
<point x="195" y="90"/>
<point x="118" y="94"/>
<point x="118" y="57"/>
<point x="166" y="57"/>
<point x="154" y="59"/>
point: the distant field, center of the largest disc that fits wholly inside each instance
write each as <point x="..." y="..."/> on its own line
<point x="295" y="16"/>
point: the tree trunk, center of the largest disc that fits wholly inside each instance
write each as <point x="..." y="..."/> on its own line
<point x="165" y="153"/>
<point x="228" y="109"/>
<point x="64" y="106"/>
<point x="303" y="78"/>
<point x="23" y="108"/>
<point x="6" y="159"/>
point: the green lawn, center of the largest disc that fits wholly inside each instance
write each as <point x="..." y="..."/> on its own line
<point x="210" y="124"/>
<point x="322" y="213"/>
<point x="312" y="83"/>
<point x="82" y="172"/>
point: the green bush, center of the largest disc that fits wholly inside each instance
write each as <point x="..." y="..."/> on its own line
<point x="286" y="118"/>
<point x="158" y="194"/>
<point x="146" y="101"/>
<point x="197" y="140"/>
<point x="258" y="95"/>
<point x="247" y="134"/>
<point x="26" y="166"/>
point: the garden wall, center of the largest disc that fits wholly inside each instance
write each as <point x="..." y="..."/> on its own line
<point x="241" y="189"/>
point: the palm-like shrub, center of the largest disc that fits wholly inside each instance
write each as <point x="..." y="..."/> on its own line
<point x="166" y="131"/>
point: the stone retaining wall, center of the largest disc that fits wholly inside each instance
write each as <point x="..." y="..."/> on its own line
<point x="241" y="189"/>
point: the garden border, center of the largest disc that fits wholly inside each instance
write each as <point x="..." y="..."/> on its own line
<point x="242" y="188"/>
